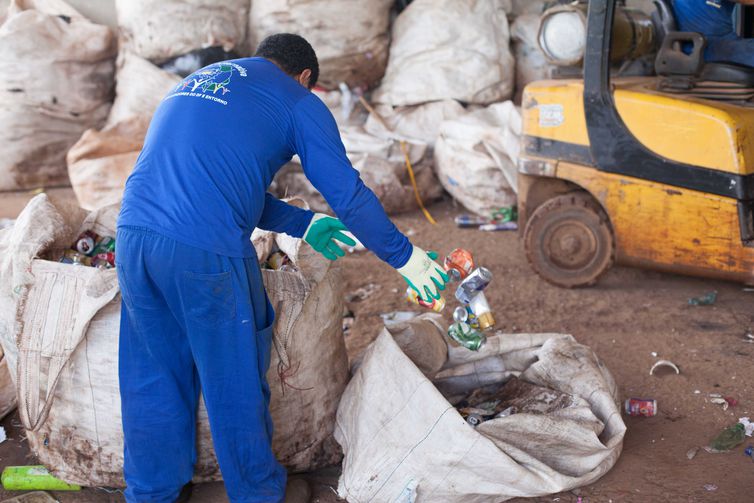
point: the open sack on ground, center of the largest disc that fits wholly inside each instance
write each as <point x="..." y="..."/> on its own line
<point x="449" y="49"/>
<point x="56" y="81"/>
<point x="350" y="37"/>
<point x="400" y="434"/>
<point x="60" y="325"/>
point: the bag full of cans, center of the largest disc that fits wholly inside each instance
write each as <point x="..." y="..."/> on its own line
<point x="91" y="249"/>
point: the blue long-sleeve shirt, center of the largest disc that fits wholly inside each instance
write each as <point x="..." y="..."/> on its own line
<point x="213" y="148"/>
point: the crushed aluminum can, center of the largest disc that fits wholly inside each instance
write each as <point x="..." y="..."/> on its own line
<point x="459" y="263"/>
<point x="641" y="407"/>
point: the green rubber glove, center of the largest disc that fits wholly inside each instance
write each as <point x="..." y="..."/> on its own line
<point x="322" y="232"/>
<point x="424" y="275"/>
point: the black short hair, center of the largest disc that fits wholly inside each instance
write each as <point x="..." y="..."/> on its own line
<point x="292" y="53"/>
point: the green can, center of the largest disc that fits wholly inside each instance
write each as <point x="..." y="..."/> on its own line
<point x="33" y="478"/>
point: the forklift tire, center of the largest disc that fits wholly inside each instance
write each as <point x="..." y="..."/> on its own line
<point x="569" y="241"/>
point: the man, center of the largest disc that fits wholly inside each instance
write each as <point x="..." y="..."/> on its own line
<point x="195" y="313"/>
<point x="714" y="20"/>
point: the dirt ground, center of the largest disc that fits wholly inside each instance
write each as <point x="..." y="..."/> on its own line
<point x="631" y="319"/>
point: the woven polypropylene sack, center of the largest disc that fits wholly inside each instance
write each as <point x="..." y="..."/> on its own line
<point x="350" y="37"/>
<point x="531" y="64"/>
<point x="475" y="157"/>
<point x="64" y="336"/>
<point x="449" y="49"/>
<point x="56" y="81"/>
<point x="158" y="30"/>
<point x="400" y="434"/>
<point x="101" y="160"/>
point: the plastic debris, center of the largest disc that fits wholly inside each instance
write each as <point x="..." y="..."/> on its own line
<point x="707" y="299"/>
<point x="718" y="400"/>
<point x="664" y="363"/>
<point x="505" y="226"/>
<point x="749" y="451"/>
<point x="28" y="478"/>
<point x="748" y="425"/>
<point x="691" y="453"/>
<point x="727" y="439"/>
<point x="710" y="487"/>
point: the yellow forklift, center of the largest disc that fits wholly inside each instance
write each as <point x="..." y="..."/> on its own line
<point x="654" y="172"/>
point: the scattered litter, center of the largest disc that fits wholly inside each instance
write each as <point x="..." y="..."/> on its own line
<point x="470" y="221"/>
<point x="696" y="392"/>
<point x="710" y="487"/>
<point x="641" y="407"/>
<point x="749" y="451"/>
<point x="397" y="317"/>
<point x="748" y="425"/>
<point x="654" y="354"/>
<point x="705" y="300"/>
<point x="506" y="226"/>
<point x="34" y="477"/>
<point x="748" y="337"/>
<point x="664" y="363"/>
<point x="362" y="293"/>
<point x="731" y="401"/>
<point x="691" y="454"/>
<point x="3" y="436"/>
<point x="35" y="497"/>
<point x="727" y="439"/>
<point x="718" y="400"/>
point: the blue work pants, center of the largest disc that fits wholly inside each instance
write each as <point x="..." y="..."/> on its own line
<point x="193" y="320"/>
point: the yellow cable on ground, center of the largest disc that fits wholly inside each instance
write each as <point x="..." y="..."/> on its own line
<point x="404" y="149"/>
<point x="427" y="215"/>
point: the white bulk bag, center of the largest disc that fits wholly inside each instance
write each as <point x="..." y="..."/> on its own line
<point x="476" y="156"/>
<point x="162" y="29"/>
<point x="101" y="161"/>
<point x="63" y="335"/>
<point x="56" y="81"/>
<point x="350" y="37"/>
<point x="531" y="64"/>
<point x="400" y="434"/>
<point x="449" y="49"/>
<point x="415" y="124"/>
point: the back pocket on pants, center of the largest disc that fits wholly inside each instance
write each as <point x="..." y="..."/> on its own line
<point x="209" y="298"/>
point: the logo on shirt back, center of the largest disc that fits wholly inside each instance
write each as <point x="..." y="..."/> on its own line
<point x="210" y="83"/>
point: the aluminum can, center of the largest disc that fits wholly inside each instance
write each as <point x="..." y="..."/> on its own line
<point x="641" y="407"/>
<point x="437" y="305"/>
<point x="459" y="263"/>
